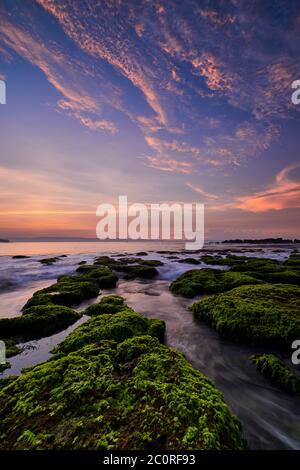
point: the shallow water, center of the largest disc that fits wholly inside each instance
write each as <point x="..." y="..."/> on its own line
<point x="270" y="417"/>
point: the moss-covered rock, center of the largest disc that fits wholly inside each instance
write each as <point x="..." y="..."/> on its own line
<point x="209" y="281"/>
<point x="137" y="394"/>
<point x="4" y="381"/>
<point x="132" y="267"/>
<point x="293" y="261"/>
<point x="274" y="369"/>
<point x="49" y="261"/>
<point x="262" y="265"/>
<point x="116" y="326"/>
<point x="267" y="314"/>
<point x="108" y="304"/>
<point x="37" y="322"/>
<point x="213" y="260"/>
<point x="72" y="290"/>
<point x="151" y="262"/>
<point x="229" y="260"/>
<point x="282" y="276"/>
<point x="11" y="347"/>
<point x="4" y="366"/>
<point x="270" y="270"/>
<point x="189" y="261"/>
<point x="65" y="292"/>
<point x="144" y="272"/>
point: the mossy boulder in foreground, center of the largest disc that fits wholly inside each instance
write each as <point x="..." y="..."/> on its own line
<point x="208" y="281"/>
<point x="267" y="314"/>
<point x="135" y="394"/>
<point x="274" y="369"/>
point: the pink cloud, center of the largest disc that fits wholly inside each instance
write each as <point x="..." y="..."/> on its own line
<point x="170" y="165"/>
<point x="76" y="101"/>
<point x="200" y="190"/>
<point x="284" y="193"/>
<point x="114" y="53"/>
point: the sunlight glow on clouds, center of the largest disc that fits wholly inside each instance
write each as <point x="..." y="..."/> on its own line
<point x="196" y="89"/>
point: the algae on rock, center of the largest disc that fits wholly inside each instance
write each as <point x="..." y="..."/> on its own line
<point x="267" y="314"/>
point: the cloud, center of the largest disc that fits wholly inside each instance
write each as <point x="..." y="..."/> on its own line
<point x="198" y="189"/>
<point x="215" y="18"/>
<point x="114" y="49"/>
<point x="284" y="193"/>
<point x="61" y="72"/>
<point x="180" y="69"/>
<point x="167" y="164"/>
<point x="209" y="67"/>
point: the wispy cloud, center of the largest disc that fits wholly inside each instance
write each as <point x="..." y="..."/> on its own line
<point x="200" y="190"/>
<point x="284" y="193"/>
<point x="170" y="165"/>
<point x="61" y="72"/>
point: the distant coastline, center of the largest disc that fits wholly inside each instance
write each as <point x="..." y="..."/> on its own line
<point x="245" y="241"/>
<point x="262" y="241"/>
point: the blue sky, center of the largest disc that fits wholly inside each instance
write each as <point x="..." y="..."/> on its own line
<point x="161" y="101"/>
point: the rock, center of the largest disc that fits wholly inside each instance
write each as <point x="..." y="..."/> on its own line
<point x="266" y="314"/>
<point x="209" y="281"/>
<point x="38" y="322"/>
<point x="112" y="385"/>
<point x="274" y="369"/>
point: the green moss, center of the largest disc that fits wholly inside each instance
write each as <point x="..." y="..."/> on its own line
<point x="49" y="261"/>
<point x="137" y="394"/>
<point x="274" y="369"/>
<point x="4" y="366"/>
<point x="108" y="304"/>
<point x="134" y="347"/>
<point x="263" y="265"/>
<point x="151" y="262"/>
<point x="293" y="261"/>
<point x="208" y="281"/>
<point x="283" y="276"/>
<point x="11" y="347"/>
<point x="267" y="314"/>
<point x="72" y="290"/>
<point x="157" y="329"/>
<point x="214" y="260"/>
<point x="229" y="260"/>
<point x="189" y="261"/>
<point x="144" y="272"/>
<point x="5" y="381"/>
<point x="270" y="270"/>
<point x="117" y="327"/>
<point x="37" y="322"/>
<point x="132" y="267"/>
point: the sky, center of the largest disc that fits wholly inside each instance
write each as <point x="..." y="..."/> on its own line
<point x="162" y="101"/>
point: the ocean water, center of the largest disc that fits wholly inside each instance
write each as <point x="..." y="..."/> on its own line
<point x="270" y="417"/>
